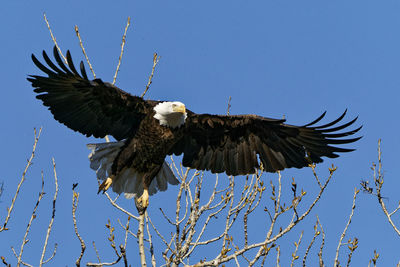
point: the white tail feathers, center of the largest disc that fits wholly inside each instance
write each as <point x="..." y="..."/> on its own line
<point x="164" y="177"/>
<point x="102" y="157"/>
<point x="128" y="181"/>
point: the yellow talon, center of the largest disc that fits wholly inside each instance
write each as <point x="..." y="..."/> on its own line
<point x="144" y="199"/>
<point x="106" y="184"/>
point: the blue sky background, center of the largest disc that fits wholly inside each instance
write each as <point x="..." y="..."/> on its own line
<point x="274" y="58"/>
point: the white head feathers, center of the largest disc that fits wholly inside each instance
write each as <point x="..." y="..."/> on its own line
<point x="171" y="114"/>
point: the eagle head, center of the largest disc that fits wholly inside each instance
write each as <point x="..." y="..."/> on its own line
<point x="170" y="114"/>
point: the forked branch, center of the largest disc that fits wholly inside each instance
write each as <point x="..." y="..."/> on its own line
<point x="378" y="182"/>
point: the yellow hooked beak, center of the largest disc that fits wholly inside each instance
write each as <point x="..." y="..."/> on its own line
<point x="180" y="108"/>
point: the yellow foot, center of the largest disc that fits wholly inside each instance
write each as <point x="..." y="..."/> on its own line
<point x="144" y="199"/>
<point x="106" y="184"/>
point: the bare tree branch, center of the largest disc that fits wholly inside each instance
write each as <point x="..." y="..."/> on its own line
<point x="111" y="238"/>
<point x="321" y="262"/>
<point x="271" y="239"/>
<point x="104" y="263"/>
<point x="375" y="259"/>
<point x="51" y="221"/>
<point x="378" y="179"/>
<point x="33" y="216"/>
<point x="54" y="38"/>
<point x="316" y="233"/>
<point x="97" y="252"/>
<point x="52" y="255"/>
<point x="122" y="49"/>
<point x="83" y="50"/>
<point x="278" y="254"/>
<point x="140" y="235"/>
<point x="3" y="260"/>
<point x="75" y="200"/>
<point x="229" y="106"/>
<point x="30" y="160"/>
<point x="113" y="202"/>
<point x="156" y="58"/>
<point x="153" y="258"/>
<point x="353" y="245"/>
<point x="296" y="244"/>
<point x="336" y="262"/>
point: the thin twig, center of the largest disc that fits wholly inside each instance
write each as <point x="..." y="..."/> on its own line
<point x="119" y="257"/>
<point x="353" y="245"/>
<point x="315" y="174"/>
<point x="396" y="210"/>
<point x="112" y="237"/>
<point x="54" y="38"/>
<point x="375" y="259"/>
<point x="156" y="58"/>
<point x="316" y="233"/>
<point x="126" y="230"/>
<point x="23" y="263"/>
<point x="336" y="262"/>
<point x="52" y="256"/>
<point x="153" y="258"/>
<point x="33" y="216"/>
<point x="83" y="50"/>
<point x="296" y="244"/>
<point x="10" y="209"/>
<point x="120" y="208"/>
<point x="122" y="49"/>
<point x="161" y="236"/>
<point x="321" y="261"/>
<point x="75" y="200"/>
<point x="278" y="254"/>
<point x="104" y="263"/>
<point x="378" y="178"/>
<point x="52" y="216"/>
<point x="3" y="260"/>
<point x="97" y="252"/>
<point x="229" y="106"/>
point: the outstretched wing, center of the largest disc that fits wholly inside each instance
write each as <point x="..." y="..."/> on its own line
<point x="91" y="107"/>
<point x="236" y="144"/>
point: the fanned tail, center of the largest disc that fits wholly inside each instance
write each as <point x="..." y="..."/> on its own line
<point x="102" y="157"/>
<point x="128" y="181"/>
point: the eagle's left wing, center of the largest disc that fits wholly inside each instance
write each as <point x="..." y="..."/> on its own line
<point x="231" y="144"/>
<point x="91" y="107"/>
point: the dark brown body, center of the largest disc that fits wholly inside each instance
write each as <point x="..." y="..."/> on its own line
<point x="145" y="158"/>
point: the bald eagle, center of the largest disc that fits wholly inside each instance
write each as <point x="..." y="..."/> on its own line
<point x="146" y="131"/>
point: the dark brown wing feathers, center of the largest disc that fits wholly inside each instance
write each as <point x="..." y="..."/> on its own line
<point x="89" y="107"/>
<point x="236" y="144"/>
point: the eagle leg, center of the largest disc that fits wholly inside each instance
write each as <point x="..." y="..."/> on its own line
<point x="144" y="199"/>
<point x="106" y="184"/>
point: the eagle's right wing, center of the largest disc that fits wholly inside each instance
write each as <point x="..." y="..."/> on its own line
<point x="237" y="144"/>
<point x="90" y="107"/>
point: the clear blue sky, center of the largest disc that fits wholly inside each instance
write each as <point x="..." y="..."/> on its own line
<point x="274" y="58"/>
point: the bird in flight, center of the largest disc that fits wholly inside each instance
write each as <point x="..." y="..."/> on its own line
<point x="146" y="131"/>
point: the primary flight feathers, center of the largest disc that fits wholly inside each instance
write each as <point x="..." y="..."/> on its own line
<point x="151" y="130"/>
